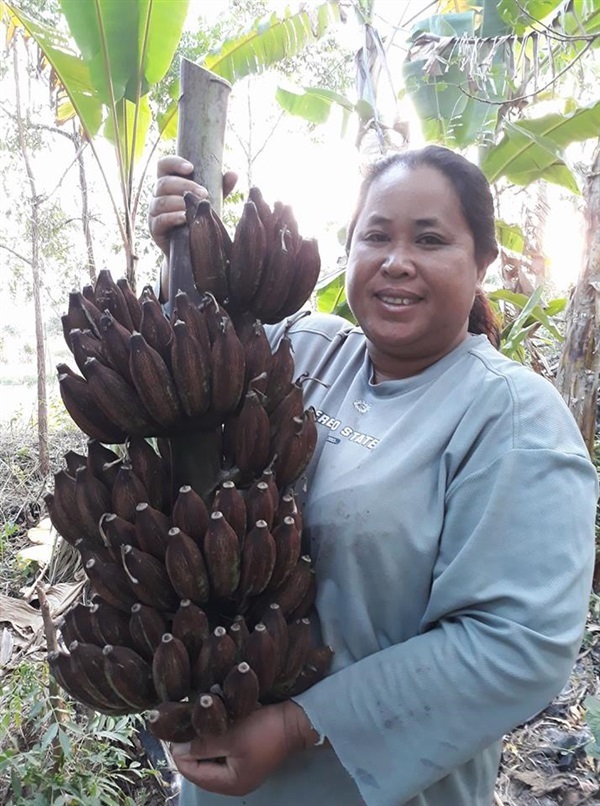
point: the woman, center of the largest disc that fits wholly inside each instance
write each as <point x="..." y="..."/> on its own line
<point x="450" y="511"/>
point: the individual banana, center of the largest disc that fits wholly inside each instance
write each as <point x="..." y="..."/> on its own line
<point x="148" y="579"/>
<point x="73" y="460"/>
<point x="230" y="501"/>
<point x="146" y="627"/>
<point x="186" y="567"/>
<point x="151" y="470"/>
<point x="152" y="530"/>
<point x="306" y="273"/>
<point x="191" y="371"/>
<point x="73" y="683"/>
<point x="215" y="659"/>
<point x="133" y="304"/>
<point x="111" y="582"/>
<point x="88" y="663"/>
<point x="293" y="456"/>
<point x="315" y="669"/>
<point x="281" y="374"/>
<point x="258" y="560"/>
<point x="209" y="716"/>
<point x="275" y="622"/>
<point x="295" y="587"/>
<point x="81" y="314"/>
<point x="251" y="440"/>
<point x="64" y="511"/>
<point x="238" y="630"/>
<point x="97" y="457"/>
<point x="240" y="691"/>
<point x="190" y="514"/>
<point x="190" y="625"/>
<point x="118" y="400"/>
<point x="171" y="671"/>
<point x="208" y="252"/>
<point x="221" y="550"/>
<point x="172" y="722"/>
<point x="78" y="624"/>
<point x="130" y="677"/>
<point x="259" y="504"/>
<point x="248" y="255"/>
<point x="115" y="345"/>
<point x="260" y="656"/>
<point x="109" y="297"/>
<point x="154" y="382"/>
<point x="288" y="508"/>
<point x="287" y="541"/>
<point x="154" y="325"/>
<point x="92" y="499"/>
<point x="275" y="278"/>
<point x="110" y="624"/>
<point x="85" y="346"/>
<point x="127" y="491"/>
<point x="227" y="367"/>
<point x="80" y="402"/>
<point x="299" y="643"/>
<point x="194" y="318"/>
<point x="116" y="532"/>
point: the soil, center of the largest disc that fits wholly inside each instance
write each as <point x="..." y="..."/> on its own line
<point x="544" y="761"/>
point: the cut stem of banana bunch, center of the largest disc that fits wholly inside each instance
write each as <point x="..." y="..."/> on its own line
<point x="189" y="532"/>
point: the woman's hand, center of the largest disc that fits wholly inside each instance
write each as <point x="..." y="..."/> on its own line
<point x="167" y="208"/>
<point x="248" y="753"/>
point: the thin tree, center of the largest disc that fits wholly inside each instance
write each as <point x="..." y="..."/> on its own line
<point x="34" y="262"/>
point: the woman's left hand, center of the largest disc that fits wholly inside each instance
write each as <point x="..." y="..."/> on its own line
<point x="248" y="753"/>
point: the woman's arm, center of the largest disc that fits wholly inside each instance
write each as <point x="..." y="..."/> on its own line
<point x="508" y="600"/>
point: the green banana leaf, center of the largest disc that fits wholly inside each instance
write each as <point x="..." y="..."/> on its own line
<point x="533" y="149"/>
<point x="72" y="71"/>
<point x="531" y="316"/>
<point x="331" y="296"/>
<point x="519" y="14"/>
<point x="313" y="103"/>
<point x="270" y="40"/>
<point x="447" y="100"/>
<point x="128" y="46"/>
<point x="510" y="236"/>
<point x="124" y="47"/>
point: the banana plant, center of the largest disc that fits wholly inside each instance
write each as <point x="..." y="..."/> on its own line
<point x="117" y="52"/>
<point x="104" y="71"/>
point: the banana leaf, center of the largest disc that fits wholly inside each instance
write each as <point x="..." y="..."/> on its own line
<point x="533" y="149"/>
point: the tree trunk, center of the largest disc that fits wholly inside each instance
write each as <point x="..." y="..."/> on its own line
<point x="200" y="139"/>
<point x="85" y="210"/>
<point x="42" y="404"/>
<point x="579" y="367"/>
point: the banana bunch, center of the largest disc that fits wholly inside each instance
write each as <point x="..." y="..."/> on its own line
<point x="189" y="531"/>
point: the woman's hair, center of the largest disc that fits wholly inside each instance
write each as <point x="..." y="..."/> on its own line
<point x="474" y="194"/>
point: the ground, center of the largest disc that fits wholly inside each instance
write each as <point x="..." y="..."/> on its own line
<point x="544" y="762"/>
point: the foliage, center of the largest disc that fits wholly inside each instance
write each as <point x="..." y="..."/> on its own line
<point x="61" y="757"/>
<point x="519" y="330"/>
<point x="592" y="717"/>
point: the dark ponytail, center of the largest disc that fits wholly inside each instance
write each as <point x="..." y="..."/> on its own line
<point x="483" y="319"/>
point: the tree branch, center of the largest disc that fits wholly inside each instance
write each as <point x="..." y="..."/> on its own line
<point x="16" y="254"/>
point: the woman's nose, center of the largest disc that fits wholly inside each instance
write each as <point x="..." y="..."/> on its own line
<point x="398" y="262"/>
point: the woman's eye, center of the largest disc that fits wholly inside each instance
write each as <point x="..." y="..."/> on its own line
<point x="375" y="236"/>
<point x="430" y="240"/>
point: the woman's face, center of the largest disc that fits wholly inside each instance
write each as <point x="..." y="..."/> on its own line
<point x="411" y="275"/>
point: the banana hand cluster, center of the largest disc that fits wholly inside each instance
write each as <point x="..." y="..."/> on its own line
<point x="202" y="594"/>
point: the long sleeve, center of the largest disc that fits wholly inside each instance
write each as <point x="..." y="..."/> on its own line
<point x="509" y="593"/>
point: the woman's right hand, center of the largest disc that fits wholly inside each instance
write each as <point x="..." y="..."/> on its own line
<point x="167" y="208"/>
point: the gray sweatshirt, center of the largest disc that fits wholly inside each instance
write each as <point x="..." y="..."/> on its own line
<point x="450" y="518"/>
